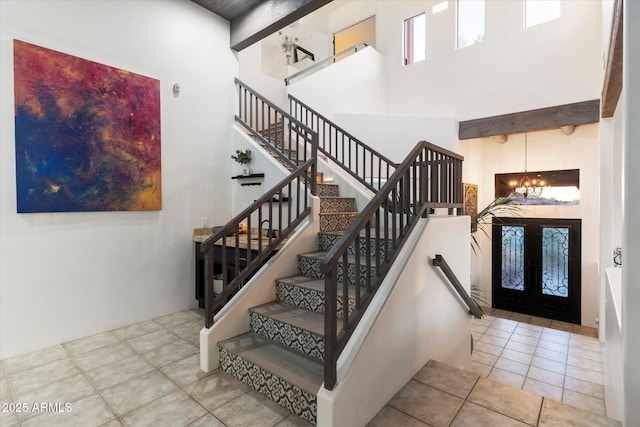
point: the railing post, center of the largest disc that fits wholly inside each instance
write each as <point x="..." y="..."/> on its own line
<point x="208" y="288"/>
<point x="330" y="327"/>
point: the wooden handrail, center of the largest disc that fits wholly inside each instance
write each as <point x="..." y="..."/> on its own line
<point x="474" y="308"/>
<point x="428" y="177"/>
<point x="239" y="264"/>
<point x="359" y="160"/>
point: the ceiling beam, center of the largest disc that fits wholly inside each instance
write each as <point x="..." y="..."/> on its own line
<point x="579" y="113"/>
<point x="268" y="17"/>
<point x="612" y="85"/>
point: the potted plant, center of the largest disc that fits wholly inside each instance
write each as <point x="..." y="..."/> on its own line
<point x="244" y="158"/>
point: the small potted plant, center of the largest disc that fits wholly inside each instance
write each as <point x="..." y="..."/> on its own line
<point x="244" y="158"/>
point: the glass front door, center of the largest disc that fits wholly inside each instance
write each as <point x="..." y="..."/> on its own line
<point x="536" y="267"/>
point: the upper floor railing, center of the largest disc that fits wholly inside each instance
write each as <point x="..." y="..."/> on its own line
<point x="362" y="162"/>
<point x="430" y="177"/>
<point x="321" y="64"/>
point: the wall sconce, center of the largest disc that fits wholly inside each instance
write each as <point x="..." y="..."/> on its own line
<point x="176" y="90"/>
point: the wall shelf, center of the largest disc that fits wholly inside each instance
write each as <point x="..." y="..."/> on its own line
<point x="253" y="175"/>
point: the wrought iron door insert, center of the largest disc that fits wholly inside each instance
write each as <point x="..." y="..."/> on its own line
<point x="536" y="267"/>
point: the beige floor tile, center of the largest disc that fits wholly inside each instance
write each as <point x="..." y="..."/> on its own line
<point x="585" y="375"/>
<point x="560" y="348"/>
<point x="472" y="415"/>
<point x="447" y="379"/>
<point x="175" y="409"/>
<point x="559" y="339"/>
<point x="522" y="330"/>
<point x="479" y="329"/>
<point x="487" y="348"/>
<point x="392" y="417"/>
<point x="505" y="324"/>
<point x="118" y="372"/>
<point x="556" y="414"/>
<point x="69" y="390"/>
<point x="551" y="355"/>
<point x="250" y="409"/>
<point x="137" y="392"/>
<point x="582" y="401"/>
<point x="479" y="368"/>
<point x="189" y="331"/>
<point x="524" y="339"/>
<point x="584" y="387"/>
<point x="171" y="352"/>
<point x="427" y="404"/>
<point x="112" y="423"/>
<point x="185" y="371"/>
<point x="207" y="421"/>
<point x="506" y="377"/>
<point x="497" y="341"/>
<point x="529" y="327"/>
<point x="588" y="364"/>
<point x="295" y="421"/>
<point x="546" y="376"/>
<point x="540" y="321"/>
<point x="137" y="329"/>
<point x="516" y="356"/>
<point x="90" y="343"/>
<point x="549" y="365"/>
<point x="9" y="419"/>
<point x="561" y="326"/>
<point x="103" y="356"/>
<point x="521" y="347"/>
<point x="152" y="340"/>
<point x="5" y="395"/>
<point x="586" y="354"/>
<point x="174" y="319"/>
<point x="485" y="358"/>
<point x="494" y="332"/>
<point x="512" y="366"/>
<point x="215" y="390"/>
<point x="30" y="379"/>
<point x="543" y="389"/>
<point x="507" y="400"/>
<point x="34" y="359"/>
<point x="89" y="411"/>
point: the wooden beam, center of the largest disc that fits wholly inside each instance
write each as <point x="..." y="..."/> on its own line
<point x="579" y="113"/>
<point x="612" y="85"/>
<point x="268" y="17"/>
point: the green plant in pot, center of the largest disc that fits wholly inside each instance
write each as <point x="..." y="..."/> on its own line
<point x="244" y="158"/>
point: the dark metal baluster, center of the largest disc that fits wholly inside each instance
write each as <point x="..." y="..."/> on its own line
<point x="367" y="277"/>
<point x="367" y="245"/>
<point x="330" y="327"/>
<point x="345" y="288"/>
<point x="208" y="289"/>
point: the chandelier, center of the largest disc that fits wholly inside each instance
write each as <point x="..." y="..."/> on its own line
<point x="526" y="185"/>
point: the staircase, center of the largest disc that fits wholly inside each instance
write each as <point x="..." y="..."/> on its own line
<point x="282" y="355"/>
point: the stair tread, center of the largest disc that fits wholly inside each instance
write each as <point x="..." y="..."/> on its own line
<point x="311" y="283"/>
<point x="363" y="233"/>
<point x="341" y="213"/>
<point x="298" y="370"/>
<point x="295" y="316"/>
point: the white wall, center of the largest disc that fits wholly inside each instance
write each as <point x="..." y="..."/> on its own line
<point x="344" y="87"/>
<point x="67" y="275"/>
<point x="396" y="136"/>
<point x="552" y="150"/>
<point x="514" y="69"/>
<point x="415" y="316"/>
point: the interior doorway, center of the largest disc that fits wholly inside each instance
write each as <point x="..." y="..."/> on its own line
<point x="363" y="31"/>
<point x="537" y="267"/>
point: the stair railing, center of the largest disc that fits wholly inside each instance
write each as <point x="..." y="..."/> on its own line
<point x="281" y="134"/>
<point x="320" y="64"/>
<point x="474" y="308"/>
<point x="235" y="254"/>
<point x="362" y="162"/>
<point x="430" y="177"/>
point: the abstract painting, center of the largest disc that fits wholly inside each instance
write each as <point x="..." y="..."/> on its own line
<point x="87" y="135"/>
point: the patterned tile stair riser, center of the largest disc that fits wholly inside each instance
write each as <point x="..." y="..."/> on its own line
<point x="309" y="265"/>
<point x="278" y="390"/>
<point x="309" y="299"/>
<point x="377" y="246"/>
<point x="298" y="339"/>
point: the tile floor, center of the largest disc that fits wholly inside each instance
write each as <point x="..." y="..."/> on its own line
<point x="148" y="374"/>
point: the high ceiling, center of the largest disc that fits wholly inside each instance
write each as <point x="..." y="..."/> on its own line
<point x="253" y="20"/>
<point x="228" y="9"/>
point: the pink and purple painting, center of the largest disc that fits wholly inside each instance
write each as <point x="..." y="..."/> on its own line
<point x="87" y="135"/>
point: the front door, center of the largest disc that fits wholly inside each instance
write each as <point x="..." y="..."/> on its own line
<point x="536" y="267"/>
